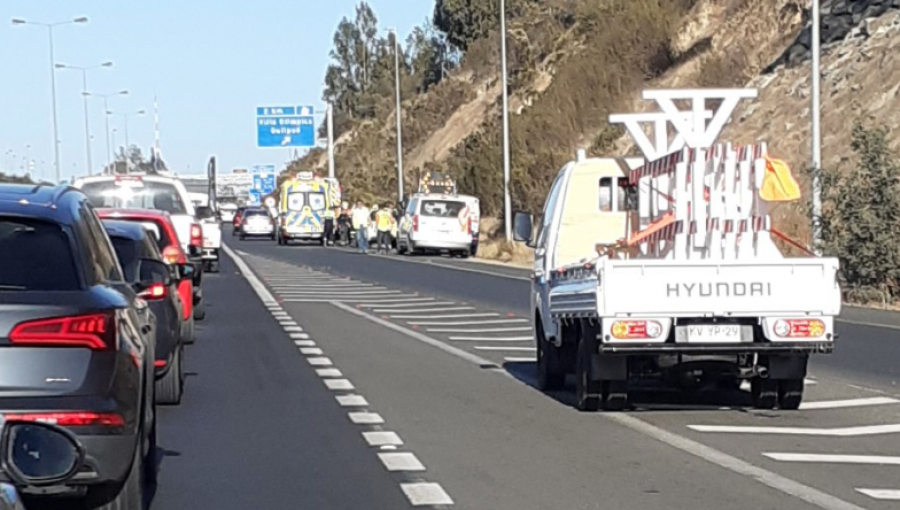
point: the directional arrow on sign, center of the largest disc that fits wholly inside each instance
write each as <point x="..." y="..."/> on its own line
<point x="286" y="141"/>
<point x="870" y="430"/>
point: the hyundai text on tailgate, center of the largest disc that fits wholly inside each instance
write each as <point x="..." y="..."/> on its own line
<point x="73" y="350"/>
<point x="666" y="266"/>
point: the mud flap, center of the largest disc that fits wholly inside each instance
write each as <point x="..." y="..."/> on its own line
<point x="606" y="367"/>
<point x="788" y="367"/>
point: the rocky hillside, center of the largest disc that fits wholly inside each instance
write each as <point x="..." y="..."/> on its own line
<point x="573" y="62"/>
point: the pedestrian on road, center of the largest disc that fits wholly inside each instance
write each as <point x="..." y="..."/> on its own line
<point x="360" y="219"/>
<point x="384" y="221"/>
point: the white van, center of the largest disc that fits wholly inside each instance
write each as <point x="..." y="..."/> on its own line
<point x="439" y="222"/>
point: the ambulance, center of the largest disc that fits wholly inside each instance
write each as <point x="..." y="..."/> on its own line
<point x="303" y="201"/>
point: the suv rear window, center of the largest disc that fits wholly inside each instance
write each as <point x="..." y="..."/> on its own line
<point x="255" y="212"/>
<point x="442" y="208"/>
<point x="35" y="255"/>
<point x="135" y="194"/>
<point x="129" y="255"/>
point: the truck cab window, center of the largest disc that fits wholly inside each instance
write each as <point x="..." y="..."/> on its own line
<point x="606" y="194"/>
<point x="627" y="196"/>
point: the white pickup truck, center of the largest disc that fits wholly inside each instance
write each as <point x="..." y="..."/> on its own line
<point x="697" y="295"/>
<point x="211" y="223"/>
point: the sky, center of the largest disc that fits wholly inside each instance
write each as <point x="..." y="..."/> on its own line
<point x="210" y="64"/>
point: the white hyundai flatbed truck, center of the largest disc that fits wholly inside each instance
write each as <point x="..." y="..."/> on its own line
<point x="699" y="295"/>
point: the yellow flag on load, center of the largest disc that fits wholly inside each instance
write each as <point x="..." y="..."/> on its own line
<point x="778" y="183"/>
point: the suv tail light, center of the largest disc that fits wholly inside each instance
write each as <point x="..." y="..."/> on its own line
<point x="469" y="225"/>
<point x="70" y="418"/>
<point x="415" y="223"/>
<point x="96" y="332"/>
<point x="196" y="235"/>
<point x="154" y="292"/>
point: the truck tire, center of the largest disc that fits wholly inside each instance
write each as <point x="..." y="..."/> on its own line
<point x="549" y="373"/>
<point x="588" y="393"/>
<point x="614" y="395"/>
<point x="790" y="394"/>
<point x="764" y="393"/>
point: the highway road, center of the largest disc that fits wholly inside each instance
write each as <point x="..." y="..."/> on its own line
<point x="326" y="379"/>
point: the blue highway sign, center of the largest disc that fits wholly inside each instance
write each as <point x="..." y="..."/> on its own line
<point x="285" y="126"/>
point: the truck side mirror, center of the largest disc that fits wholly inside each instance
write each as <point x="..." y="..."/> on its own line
<point x="522" y="227"/>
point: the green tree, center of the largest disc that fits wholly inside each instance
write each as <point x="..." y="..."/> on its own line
<point x="861" y="216"/>
<point x="465" y="21"/>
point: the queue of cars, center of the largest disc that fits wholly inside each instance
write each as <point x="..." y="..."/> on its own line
<point x="99" y="293"/>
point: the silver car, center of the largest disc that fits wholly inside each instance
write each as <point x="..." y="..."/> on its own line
<point x="257" y="222"/>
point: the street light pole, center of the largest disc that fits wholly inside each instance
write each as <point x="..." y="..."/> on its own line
<point x="49" y="27"/>
<point x="399" y="118"/>
<point x="815" y="110"/>
<point x="109" y="158"/>
<point x="507" y="203"/>
<point x="84" y="95"/>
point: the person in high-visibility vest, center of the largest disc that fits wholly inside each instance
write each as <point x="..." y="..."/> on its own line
<point x="328" y="214"/>
<point x="384" y="221"/>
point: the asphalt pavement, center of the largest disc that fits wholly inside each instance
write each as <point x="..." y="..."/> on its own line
<point x="434" y="356"/>
<point x="325" y="379"/>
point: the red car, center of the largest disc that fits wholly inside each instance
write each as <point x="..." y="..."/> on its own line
<point x="173" y="254"/>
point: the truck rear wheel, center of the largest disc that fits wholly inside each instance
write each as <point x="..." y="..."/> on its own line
<point x="764" y="393"/>
<point x="588" y="392"/>
<point x="615" y="395"/>
<point x="550" y="374"/>
<point x="790" y="394"/>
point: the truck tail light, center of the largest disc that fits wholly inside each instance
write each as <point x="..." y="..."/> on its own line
<point x="636" y="330"/>
<point x="415" y="222"/>
<point x="799" y="328"/>
<point x="96" y="332"/>
<point x="196" y="235"/>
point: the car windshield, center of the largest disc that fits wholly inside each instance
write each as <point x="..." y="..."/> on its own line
<point x="135" y="194"/>
<point x="317" y="201"/>
<point x="35" y="255"/>
<point x="256" y="212"/>
<point x="442" y="208"/>
<point x="128" y="252"/>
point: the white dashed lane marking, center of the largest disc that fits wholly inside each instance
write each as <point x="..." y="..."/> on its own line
<point x="319" y="362"/>
<point x="381" y="438"/>
<point x="520" y="360"/>
<point x="466" y="316"/>
<point x="352" y="401"/>
<point x="328" y="372"/>
<point x="423" y="310"/>
<point x="468" y="323"/>
<point x="503" y="348"/>
<point x="421" y="302"/>
<point x="366" y="418"/>
<point x="304" y="343"/>
<point x="426" y="494"/>
<point x="478" y="330"/>
<point x="311" y="351"/>
<point x="856" y="402"/>
<point x="881" y="494"/>
<point x="491" y="339"/>
<point x="401" y="461"/>
<point x="881" y="460"/>
<point x="869" y="430"/>
<point x="293" y="329"/>
<point x="299" y="336"/>
<point x="339" y="384"/>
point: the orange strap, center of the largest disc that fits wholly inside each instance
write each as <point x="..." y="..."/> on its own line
<point x="791" y="242"/>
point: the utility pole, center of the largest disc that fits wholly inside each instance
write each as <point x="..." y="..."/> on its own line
<point x="329" y="119"/>
<point x="815" y="110"/>
<point x="507" y="203"/>
<point x="399" y="118"/>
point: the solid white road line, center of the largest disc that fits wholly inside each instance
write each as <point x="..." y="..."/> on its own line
<point x="869" y="430"/>
<point x="870" y="324"/>
<point x="430" y="302"/>
<point x="304" y="343"/>
<point x="311" y="351"/>
<point x="339" y="384"/>
<point x="881" y="460"/>
<point x="482" y="330"/>
<point x="352" y="401"/>
<point x="856" y="402"/>
<point x="520" y="360"/>
<point x="328" y="372"/>
<point x="462" y="316"/>
<point x="381" y="438"/>
<point x="366" y="418"/>
<point x="503" y="348"/>
<point x="293" y="329"/>
<point x="300" y="293"/>
<point x="401" y="461"/>
<point x="467" y="323"/>
<point x="423" y="310"/>
<point x="491" y="339"/>
<point x="319" y="362"/>
<point x="882" y="494"/>
<point x="264" y="295"/>
<point x="301" y="336"/>
<point x="425" y="494"/>
<point x="810" y="382"/>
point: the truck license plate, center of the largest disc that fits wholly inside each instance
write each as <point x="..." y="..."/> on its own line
<point x="710" y="333"/>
